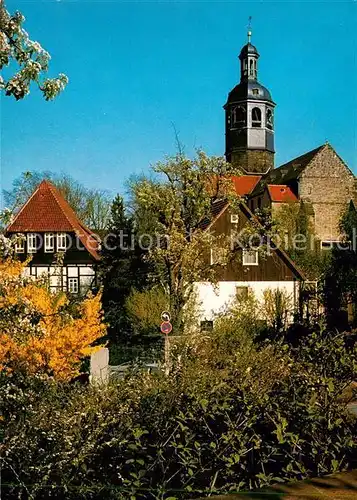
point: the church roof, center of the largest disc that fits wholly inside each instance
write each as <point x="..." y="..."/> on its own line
<point x="248" y="48"/>
<point x="47" y="211"/>
<point x="280" y="193"/>
<point x="288" y="172"/>
<point x="293" y="168"/>
<point x="244" y="184"/>
<point x="244" y="91"/>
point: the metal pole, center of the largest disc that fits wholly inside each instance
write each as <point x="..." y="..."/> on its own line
<point x="167" y="355"/>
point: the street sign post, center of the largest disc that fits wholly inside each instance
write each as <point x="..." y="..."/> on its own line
<point x="165" y="316"/>
<point x="166" y="327"/>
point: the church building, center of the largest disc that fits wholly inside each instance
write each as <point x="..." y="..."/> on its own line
<point x="319" y="178"/>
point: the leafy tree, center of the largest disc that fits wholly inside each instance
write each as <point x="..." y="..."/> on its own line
<point x="294" y="227"/>
<point x="144" y="310"/>
<point x="168" y="211"/>
<point x="16" y="49"/>
<point x="91" y="205"/>
<point x="39" y="333"/>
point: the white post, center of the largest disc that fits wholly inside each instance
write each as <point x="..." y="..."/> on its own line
<point x="99" y="366"/>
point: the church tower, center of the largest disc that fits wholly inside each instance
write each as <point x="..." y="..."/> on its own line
<point x="249" y="114"/>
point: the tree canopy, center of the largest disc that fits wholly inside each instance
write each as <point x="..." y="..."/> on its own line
<point x="23" y="61"/>
<point x="39" y="332"/>
<point x="168" y="210"/>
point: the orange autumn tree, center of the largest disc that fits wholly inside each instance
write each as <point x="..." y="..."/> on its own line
<point x="39" y="333"/>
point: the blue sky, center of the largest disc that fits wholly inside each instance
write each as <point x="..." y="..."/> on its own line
<point x="138" y="70"/>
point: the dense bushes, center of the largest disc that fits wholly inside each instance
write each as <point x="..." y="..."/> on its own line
<point x="233" y="415"/>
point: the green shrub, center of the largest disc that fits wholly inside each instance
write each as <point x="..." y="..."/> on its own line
<point x="232" y="416"/>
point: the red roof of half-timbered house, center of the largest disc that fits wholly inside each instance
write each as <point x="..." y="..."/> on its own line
<point x="47" y="211"/>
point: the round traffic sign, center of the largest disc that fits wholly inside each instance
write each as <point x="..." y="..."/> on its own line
<point x="166" y="327"/>
<point x="165" y="316"/>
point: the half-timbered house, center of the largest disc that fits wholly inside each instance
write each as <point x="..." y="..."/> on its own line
<point x="48" y="230"/>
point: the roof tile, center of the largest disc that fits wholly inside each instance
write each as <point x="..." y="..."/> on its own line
<point x="244" y="184"/>
<point x="281" y="193"/>
<point x="47" y="211"/>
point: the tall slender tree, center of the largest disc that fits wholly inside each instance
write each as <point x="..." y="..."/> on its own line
<point x="122" y="268"/>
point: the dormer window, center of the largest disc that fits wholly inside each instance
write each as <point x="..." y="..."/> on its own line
<point x="61" y="242"/>
<point x="256" y="117"/>
<point x="255" y="91"/>
<point x="20" y="245"/>
<point x="31" y="243"/>
<point x="49" y="242"/>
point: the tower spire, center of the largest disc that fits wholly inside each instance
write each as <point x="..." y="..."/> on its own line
<point x="250" y="117"/>
<point x="249" y="28"/>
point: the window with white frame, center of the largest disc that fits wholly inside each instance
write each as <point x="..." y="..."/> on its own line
<point x="61" y="242"/>
<point x="250" y="257"/>
<point x="31" y="243"/>
<point x="49" y="242"/>
<point x="234" y="218"/>
<point x="73" y="285"/>
<point x="20" y="244"/>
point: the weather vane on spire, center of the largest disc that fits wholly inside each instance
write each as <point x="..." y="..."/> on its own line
<point x="249" y="28"/>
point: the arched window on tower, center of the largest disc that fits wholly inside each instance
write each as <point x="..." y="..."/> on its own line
<point x="239" y="116"/>
<point x="256" y="117"/>
<point x="251" y="68"/>
<point x="269" y="119"/>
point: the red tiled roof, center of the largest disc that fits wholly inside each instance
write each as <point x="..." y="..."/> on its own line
<point x="47" y="211"/>
<point x="244" y="184"/>
<point x="281" y="193"/>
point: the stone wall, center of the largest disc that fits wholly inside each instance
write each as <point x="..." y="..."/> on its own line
<point x="328" y="185"/>
<point x="253" y="161"/>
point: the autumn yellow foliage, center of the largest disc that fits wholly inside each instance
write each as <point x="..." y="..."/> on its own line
<point x="39" y="332"/>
